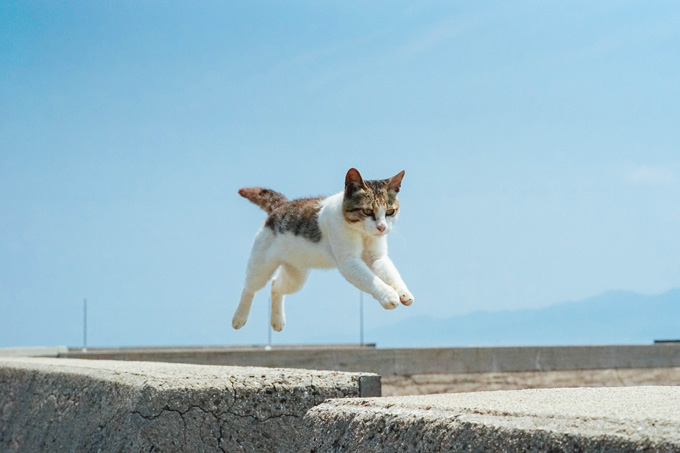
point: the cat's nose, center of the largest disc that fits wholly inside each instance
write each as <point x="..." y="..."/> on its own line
<point x="380" y="228"/>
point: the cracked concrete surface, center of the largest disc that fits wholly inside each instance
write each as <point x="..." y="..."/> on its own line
<point x="82" y="405"/>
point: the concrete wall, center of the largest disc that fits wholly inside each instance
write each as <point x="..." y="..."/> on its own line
<point x="618" y="420"/>
<point x="412" y="360"/>
<point x="75" y="405"/>
<point x="81" y="406"/>
<point x="34" y="351"/>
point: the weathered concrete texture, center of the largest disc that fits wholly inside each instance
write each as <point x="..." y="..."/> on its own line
<point x="556" y="420"/>
<point x="82" y="405"/>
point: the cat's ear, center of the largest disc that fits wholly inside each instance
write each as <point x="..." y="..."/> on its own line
<point x="395" y="182"/>
<point x="353" y="179"/>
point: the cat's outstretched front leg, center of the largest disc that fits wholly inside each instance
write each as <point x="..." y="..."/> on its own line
<point x="385" y="269"/>
<point x="360" y="275"/>
<point x="375" y="256"/>
<point x="347" y="251"/>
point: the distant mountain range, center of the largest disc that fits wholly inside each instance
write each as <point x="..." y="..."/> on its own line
<point x="615" y="317"/>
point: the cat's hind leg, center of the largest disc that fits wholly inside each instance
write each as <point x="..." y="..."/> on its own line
<point x="288" y="280"/>
<point x="260" y="270"/>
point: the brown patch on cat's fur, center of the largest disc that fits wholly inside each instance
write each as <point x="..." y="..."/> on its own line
<point x="300" y="217"/>
<point x="267" y="199"/>
<point x="361" y="194"/>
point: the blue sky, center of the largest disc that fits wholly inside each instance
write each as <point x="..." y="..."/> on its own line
<point x="540" y="144"/>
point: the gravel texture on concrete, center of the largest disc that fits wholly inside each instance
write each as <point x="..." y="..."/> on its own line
<point x="68" y="405"/>
<point x="555" y="420"/>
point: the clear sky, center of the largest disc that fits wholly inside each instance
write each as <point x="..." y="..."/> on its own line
<point x="540" y="142"/>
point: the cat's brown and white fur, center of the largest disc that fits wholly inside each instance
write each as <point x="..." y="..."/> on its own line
<point x="347" y="230"/>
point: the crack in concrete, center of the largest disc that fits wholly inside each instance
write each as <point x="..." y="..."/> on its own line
<point x="126" y="409"/>
<point x="221" y="438"/>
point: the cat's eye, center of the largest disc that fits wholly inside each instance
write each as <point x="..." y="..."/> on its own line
<point x="367" y="211"/>
<point x="389" y="212"/>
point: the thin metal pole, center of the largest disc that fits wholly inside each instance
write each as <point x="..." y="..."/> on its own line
<point x="269" y="325"/>
<point x="84" y="325"/>
<point x="361" y="317"/>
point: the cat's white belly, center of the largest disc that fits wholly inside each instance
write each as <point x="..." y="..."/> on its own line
<point x="303" y="253"/>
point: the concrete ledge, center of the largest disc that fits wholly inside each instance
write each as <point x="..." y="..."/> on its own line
<point x="84" y="405"/>
<point x="34" y="351"/>
<point x="603" y="420"/>
<point x="412" y="360"/>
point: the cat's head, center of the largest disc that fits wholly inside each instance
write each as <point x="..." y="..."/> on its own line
<point x="371" y="206"/>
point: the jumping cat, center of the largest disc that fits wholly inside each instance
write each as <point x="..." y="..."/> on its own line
<point x="347" y="230"/>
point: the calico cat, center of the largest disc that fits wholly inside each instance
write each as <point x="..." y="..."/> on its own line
<point x="347" y="230"/>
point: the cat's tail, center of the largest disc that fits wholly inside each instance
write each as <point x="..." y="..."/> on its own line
<point x="267" y="199"/>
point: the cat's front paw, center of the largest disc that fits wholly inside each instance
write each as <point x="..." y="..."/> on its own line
<point x="389" y="300"/>
<point x="405" y="296"/>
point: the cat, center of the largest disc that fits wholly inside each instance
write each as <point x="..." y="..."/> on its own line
<point x="347" y="230"/>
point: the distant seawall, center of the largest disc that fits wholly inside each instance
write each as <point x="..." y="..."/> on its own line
<point x="408" y="360"/>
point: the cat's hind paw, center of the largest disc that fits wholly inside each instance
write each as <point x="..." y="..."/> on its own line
<point x="238" y="321"/>
<point x="277" y="324"/>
